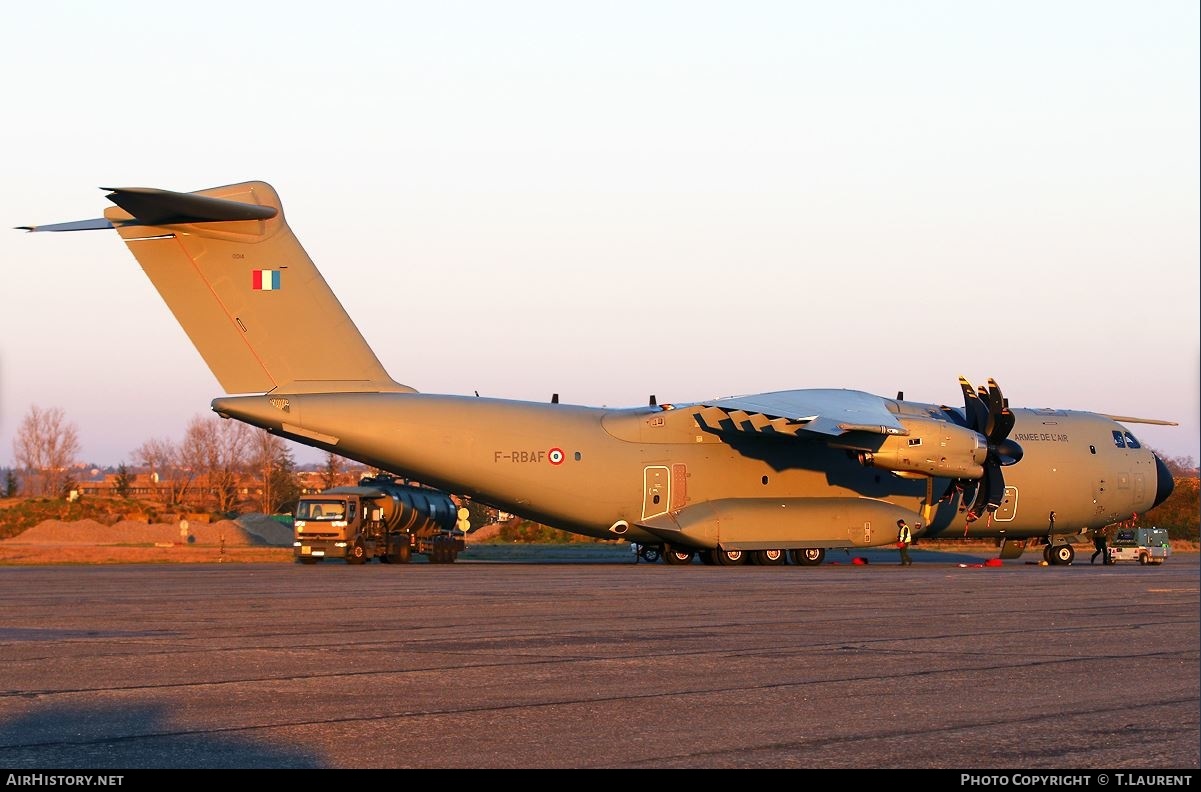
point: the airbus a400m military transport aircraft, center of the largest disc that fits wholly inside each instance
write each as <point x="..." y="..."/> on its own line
<point x="771" y="477"/>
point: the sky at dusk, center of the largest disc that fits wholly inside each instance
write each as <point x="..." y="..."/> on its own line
<point x="612" y="200"/>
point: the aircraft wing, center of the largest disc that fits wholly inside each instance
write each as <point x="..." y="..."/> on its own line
<point x="829" y="412"/>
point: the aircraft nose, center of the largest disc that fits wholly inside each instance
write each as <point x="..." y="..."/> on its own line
<point x="1164" y="483"/>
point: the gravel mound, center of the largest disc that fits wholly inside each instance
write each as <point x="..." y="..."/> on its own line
<point x="90" y="532"/>
<point x="268" y="531"/>
<point x="484" y="533"/>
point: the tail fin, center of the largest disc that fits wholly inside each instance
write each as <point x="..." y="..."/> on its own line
<point x="244" y="290"/>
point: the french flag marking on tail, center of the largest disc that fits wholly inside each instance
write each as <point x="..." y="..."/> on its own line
<point x="265" y="280"/>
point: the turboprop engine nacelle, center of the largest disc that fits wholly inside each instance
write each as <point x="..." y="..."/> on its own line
<point x="932" y="448"/>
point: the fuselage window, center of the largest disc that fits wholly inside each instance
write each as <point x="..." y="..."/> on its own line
<point x="1131" y="442"/>
<point x="1118" y="440"/>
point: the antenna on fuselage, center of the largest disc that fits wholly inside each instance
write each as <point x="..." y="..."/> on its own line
<point x="654" y="401"/>
<point x="554" y="398"/>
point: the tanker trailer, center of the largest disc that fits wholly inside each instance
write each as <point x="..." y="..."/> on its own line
<point x="380" y="518"/>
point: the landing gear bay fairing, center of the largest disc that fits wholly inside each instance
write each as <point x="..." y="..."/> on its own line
<point x="771" y="478"/>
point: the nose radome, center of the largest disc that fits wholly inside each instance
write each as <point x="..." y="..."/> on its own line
<point x="1164" y="483"/>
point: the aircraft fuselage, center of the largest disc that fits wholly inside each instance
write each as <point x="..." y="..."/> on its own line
<point x="620" y="473"/>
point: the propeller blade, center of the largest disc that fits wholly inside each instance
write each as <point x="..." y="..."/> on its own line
<point x="981" y="496"/>
<point x="998" y="408"/>
<point x="976" y="412"/>
<point x="996" y="402"/>
<point x="990" y="418"/>
<point x="1004" y="426"/>
<point x="970" y="496"/>
<point x="954" y="417"/>
<point x="991" y="490"/>
<point x="994" y="486"/>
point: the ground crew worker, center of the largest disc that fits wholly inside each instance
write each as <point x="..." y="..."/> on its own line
<point x="904" y="538"/>
<point x="1099" y="542"/>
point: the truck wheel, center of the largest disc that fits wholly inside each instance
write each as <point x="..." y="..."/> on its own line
<point x="308" y="560"/>
<point x="356" y="555"/>
<point x="1142" y="558"/>
<point x="401" y="554"/>
<point x="442" y="552"/>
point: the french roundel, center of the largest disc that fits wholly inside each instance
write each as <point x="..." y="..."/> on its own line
<point x="555" y="455"/>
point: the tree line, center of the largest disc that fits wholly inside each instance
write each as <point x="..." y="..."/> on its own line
<point x="208" y="469"/>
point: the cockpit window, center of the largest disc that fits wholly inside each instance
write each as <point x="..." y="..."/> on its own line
<point x="1118" y="440"/>
<point x="1131" y="442"/>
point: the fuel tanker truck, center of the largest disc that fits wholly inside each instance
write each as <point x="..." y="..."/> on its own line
<point x="380" y="518"/>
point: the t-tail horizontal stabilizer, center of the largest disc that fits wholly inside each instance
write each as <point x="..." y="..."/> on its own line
<point x="74" y="225"/>
<point x="152" y="207"/>
<point x="243" y="289"/>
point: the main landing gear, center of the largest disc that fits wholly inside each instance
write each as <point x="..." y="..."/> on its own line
<point x="676" y="556"/>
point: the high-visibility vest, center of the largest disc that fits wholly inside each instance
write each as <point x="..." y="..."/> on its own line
<point x="904" y="536"/>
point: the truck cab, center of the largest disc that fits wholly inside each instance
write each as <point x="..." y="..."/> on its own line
<point x="1144" y="545"/>
<point x="326" y="526"/>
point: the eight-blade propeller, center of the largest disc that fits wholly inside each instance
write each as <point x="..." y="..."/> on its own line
<point x="987" y="412"/>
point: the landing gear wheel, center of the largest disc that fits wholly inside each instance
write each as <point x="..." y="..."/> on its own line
<point x="767" y="557"/>
<point x="649" y="553"/>
<point x="808" y="556"/>
<point x="1047" y="554"/>
<point x="729" y="557"/>
<point x="356" y="555"/>
<point x="677" y="557"/>
<point x="1062" y="554"/>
